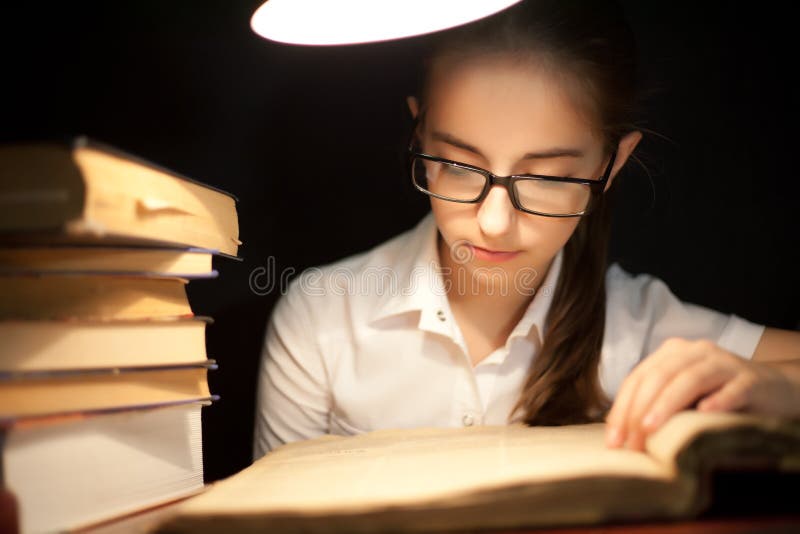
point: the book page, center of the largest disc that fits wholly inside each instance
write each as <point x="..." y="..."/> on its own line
<point x="410" y="467"/>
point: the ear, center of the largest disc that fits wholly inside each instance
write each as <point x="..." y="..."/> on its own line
<point x="625" y="148"/>
<point x="413" y="106"/>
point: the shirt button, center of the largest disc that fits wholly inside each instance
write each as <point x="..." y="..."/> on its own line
<point x="440" y="315"/>
<point x="468" y="420"/>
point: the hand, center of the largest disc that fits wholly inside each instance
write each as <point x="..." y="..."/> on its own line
<point x="679" y="374"/>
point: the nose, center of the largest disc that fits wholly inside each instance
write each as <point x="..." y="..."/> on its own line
<point x="496" y="213"/>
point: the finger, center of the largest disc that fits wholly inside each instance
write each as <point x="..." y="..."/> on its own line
<point x="636" y="439"/>
<point x="650" y="387"/>
<point x="622" y="400"/>
<point x="697" y="381"/>
<point x="617" y="429"/>
<point x="682" y="391"/>
<point x="658" y="378"/>
<point x="735" y="395"/>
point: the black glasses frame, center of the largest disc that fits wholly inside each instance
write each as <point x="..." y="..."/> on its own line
<point x="596" y="187"/>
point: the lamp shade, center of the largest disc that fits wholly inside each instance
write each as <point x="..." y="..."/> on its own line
<point x="336" y="22"/>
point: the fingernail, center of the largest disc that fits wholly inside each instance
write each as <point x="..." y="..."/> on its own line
<point x="650" y="420"/>
<point x="705" y="406"/>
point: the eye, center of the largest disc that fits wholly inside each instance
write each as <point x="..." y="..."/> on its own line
<point x="456" y="171"/>
<point x="547" y="184"/>
<point x="549" y="170"/>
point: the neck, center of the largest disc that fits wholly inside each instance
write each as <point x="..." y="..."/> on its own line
<point x="492" y="306"/>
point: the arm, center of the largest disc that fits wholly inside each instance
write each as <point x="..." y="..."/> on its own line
<point x="681" y="372"/>
<point x="780" y="350"/>
<point x="293" y="398"/>
<point x="778" y="345"/>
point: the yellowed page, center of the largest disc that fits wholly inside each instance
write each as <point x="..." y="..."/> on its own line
<point x="482" y="477"/>
<point x="407" y="467"/>
<point x="68" y="394"/>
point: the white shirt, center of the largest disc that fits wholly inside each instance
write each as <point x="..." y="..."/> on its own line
<point x="369" y="342"/>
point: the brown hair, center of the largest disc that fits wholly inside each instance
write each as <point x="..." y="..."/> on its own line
<point x="591" y="47"/>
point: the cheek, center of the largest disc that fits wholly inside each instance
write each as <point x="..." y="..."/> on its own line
<point x="546" y="235"/>
<point x="453" y="219"/>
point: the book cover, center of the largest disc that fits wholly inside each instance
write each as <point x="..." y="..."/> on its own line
<point x="92" y="297"/>
<point x="107" y="260"/>
<point x="86" y="192"/>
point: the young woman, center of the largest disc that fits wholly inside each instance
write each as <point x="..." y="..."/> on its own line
<point x="499" y="305"/>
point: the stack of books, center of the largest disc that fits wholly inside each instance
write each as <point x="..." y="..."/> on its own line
<point x="103" y="365"/>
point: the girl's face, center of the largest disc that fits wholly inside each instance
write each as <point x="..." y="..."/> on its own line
<point x="509" y="118"/>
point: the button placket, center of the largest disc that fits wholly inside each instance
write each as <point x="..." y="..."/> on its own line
<point x="467" y="408"/>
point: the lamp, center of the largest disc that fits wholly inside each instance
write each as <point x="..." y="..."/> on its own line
<point x="336" y="22"/>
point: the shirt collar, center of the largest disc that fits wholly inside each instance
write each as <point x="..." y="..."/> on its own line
<point x="416" y="264"/>
<point x="421" y="286"/>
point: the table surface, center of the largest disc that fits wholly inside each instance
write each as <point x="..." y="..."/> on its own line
<point x="146" y="522"/>
<point x="786" y="520"/>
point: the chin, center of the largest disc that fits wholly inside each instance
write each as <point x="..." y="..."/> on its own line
<point x="501" y="278"/>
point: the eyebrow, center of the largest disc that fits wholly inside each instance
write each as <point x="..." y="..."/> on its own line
<point x="555" y="152"/>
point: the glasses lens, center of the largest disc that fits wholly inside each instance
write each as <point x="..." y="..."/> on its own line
<point x="551" y="197"/>
<point x="448" y="181"/>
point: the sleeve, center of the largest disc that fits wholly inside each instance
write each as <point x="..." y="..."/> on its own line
<point x="293" y="400"/>
<point x="642" y="313"/>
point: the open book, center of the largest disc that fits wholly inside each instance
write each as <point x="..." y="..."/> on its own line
<point x="487" y="477"/>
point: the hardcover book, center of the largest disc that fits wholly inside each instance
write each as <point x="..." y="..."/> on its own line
<point x="91" y="297"/>
<point x="71" y="471"/>
<point x="106" y="260"/>
<point x="59" y="393"/>
<point x="89" y="192"/>
<point x="54" y="345"/>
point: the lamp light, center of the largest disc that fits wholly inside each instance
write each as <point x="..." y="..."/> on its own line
<point x="336" y="22"/>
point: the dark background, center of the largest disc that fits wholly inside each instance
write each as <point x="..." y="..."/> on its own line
<point x="311" y="139"/>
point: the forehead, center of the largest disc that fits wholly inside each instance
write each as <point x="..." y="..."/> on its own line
<point x="501" y="103"/>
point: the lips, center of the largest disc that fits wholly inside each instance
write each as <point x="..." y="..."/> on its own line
<point x="494" y="256"/>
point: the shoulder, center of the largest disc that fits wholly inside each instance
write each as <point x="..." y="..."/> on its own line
<point x="643" y="308"/>
<point x="642" y="312"/>
<point x="648" y="301"/>
<point x="634" y="293"/>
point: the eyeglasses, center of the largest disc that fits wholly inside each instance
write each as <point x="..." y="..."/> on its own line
<point x="550" y="196"/>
